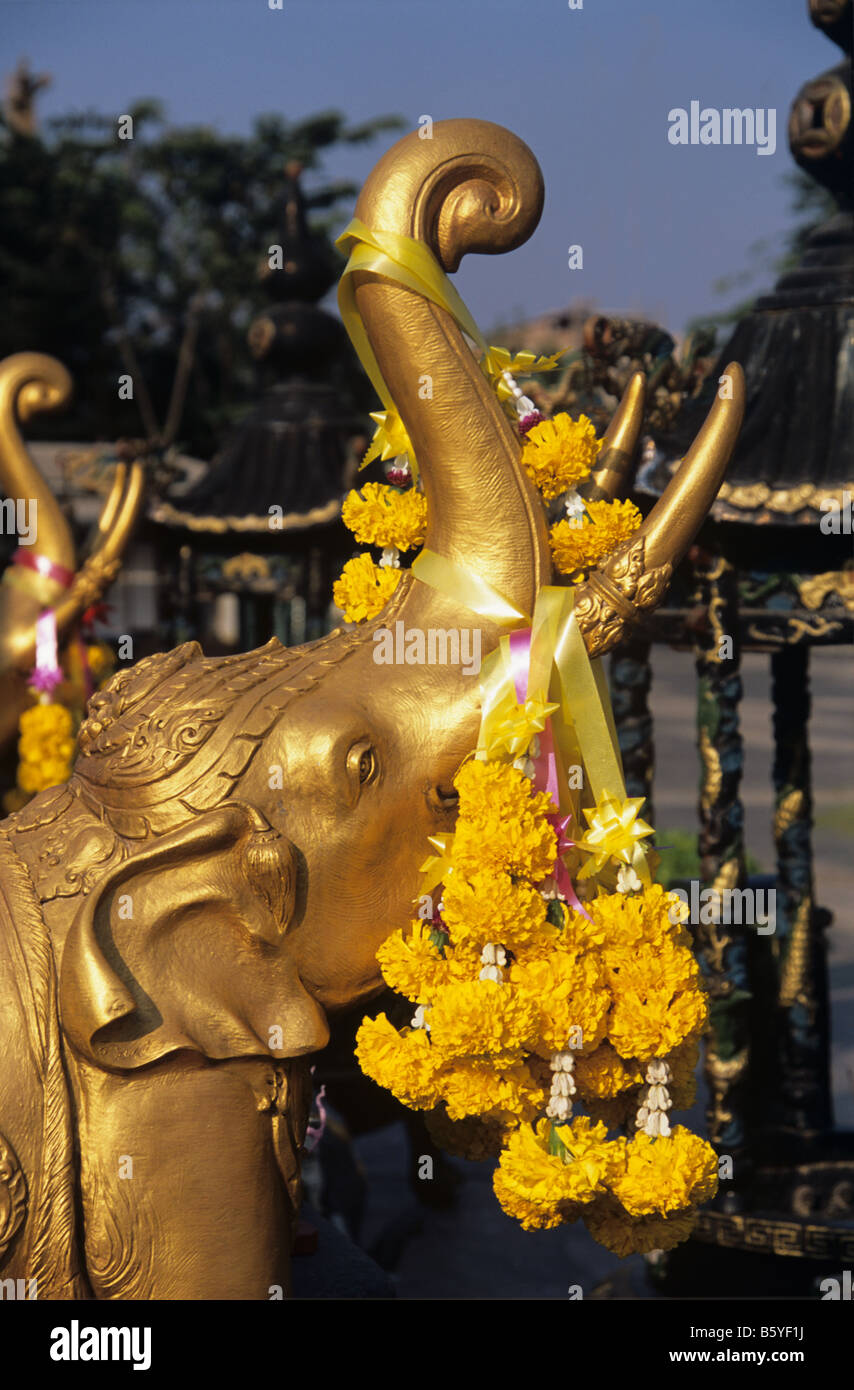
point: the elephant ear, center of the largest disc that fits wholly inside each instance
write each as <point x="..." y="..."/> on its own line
<point x="185" y="945"/>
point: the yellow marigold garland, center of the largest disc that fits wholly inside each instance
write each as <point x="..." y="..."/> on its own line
<point x="46" y="747"/>
<point x="483" y="1038"/>
<point x="518" y="999"/>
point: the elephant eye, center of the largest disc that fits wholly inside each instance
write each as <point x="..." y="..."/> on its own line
<point x="363" y="761"/>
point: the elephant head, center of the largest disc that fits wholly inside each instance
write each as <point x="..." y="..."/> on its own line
<point x="30" y="383"/>
<point x="350" y="765"/>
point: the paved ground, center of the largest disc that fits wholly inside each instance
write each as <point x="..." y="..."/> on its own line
<point x="473" y="1250"/>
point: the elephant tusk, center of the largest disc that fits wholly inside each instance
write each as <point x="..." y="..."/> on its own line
<point x="675" y="519"/>
<point x="612" y="474"/>
<point x="111" y="506"/>
<point x="101" y="567"/>
<point x="32" y="383"/>
<point x="634" y="578"/>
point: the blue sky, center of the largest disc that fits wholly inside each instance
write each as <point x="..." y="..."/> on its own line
<point x="589" y="90"/>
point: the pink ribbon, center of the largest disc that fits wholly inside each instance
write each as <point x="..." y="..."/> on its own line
<point x="545" y="777"/>
<point x="560" y="825"/>
<point x="46" y="674"/>
<point x="545" y="768"/>
<point x="44" y="566"/>
<point x="314" y="1132"/>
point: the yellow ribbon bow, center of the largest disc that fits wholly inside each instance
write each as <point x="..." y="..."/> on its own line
<point x="515" y="725"/>
<point x="614" y="833"/>
<point x="497" y="360"/>
<point x="390" y="439"/>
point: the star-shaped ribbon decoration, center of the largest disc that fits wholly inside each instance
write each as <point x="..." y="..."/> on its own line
<point x="515" y="725"/>
<point x="438" y="866"/>
<point x="560" y="826"/>
<point x="496" y="361"/>
<point x="615" y="832"/>
<point x="390" y="439"/>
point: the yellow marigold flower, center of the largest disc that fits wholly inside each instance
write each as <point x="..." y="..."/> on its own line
<point x="474" y="1137"/>
<point x="30" y="779"/>
<point x="580" y="933"/>
<point x="502" y="823"/>
<point x="604" y="1074"/>
<point x="481" y="1018"/>
<point x="658" y="1001"/>
<point x="589" y="1148"/>
<point x="363" y="588"/>
<point x="490" y="787"/>
<point x="666" y="1174"/>
<point x="30" y="747"/>
<point x="404" y="1063"/>
<point x="543" y="1189"/>
<point x="381" y="515"/>
<point x="54" y="771"/>
<point x="637" y="922"/>
<point x="413" y="965"/>
<point x="597" y="536"/>
<point x="609" y="1224"/>
<point x="35" y="748"/>
<point x="46" y="720"/>
<point x="492" y="907"/>
<point x="475" y="1087"/>
<point x="532" y="1216"/>
<point x="559" y="453"/>
<point x="569" y="992"/>
<point x="98" y="658"/>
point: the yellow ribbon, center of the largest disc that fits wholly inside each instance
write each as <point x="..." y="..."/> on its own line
<point x="465" y="588"/>
<point x="562" y="679"/>
<point x="498" y="360"/>
<point x="564" y="682"/>
<point x="406" y="262"/>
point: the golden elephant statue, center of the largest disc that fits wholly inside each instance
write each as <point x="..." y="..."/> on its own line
<point x="241" y="833"/>
<point x="44" y="572"/>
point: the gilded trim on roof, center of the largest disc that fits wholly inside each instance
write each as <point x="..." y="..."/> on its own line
<point x="167" y="515"/>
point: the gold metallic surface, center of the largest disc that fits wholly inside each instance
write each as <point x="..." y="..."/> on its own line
<point x="795" y="983"/>
<point x="241" y="833"/>
<point x="611" y="476"/>
<point x="722" y="1074"/>
<point x="820" y="117"/>
<point x="795" y="631"/>
<point x="30" y="382"/>
<point x="641" y="569"/>
<point x="784" y="501"/>
<point x="789" y="810"/>
<point x="795" y="1238"/>
<point x="710" y="788"/>
<point x="168" y="515"/>
<point x="814" y="589"/>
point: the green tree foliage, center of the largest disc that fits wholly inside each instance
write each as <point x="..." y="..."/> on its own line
<point x="137" y="255"/>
